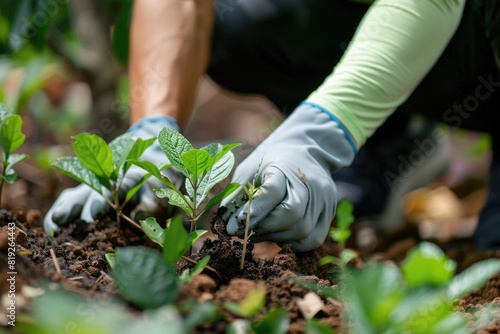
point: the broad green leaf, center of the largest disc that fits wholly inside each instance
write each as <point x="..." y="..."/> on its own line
<point x="11" y="137"/>
<point x="216" y="174"/>
<point x="373" y="294"/>
<point x="472" y="278"/>
<point x="193" y="236"/>
<point x="111" y="258"/>
<point x="275" y="322"/>
<point x="196" y="163"/>
<point x="120" y="149"/>
<point x="144" y="277"/>
<point x="153" y="230"/>
<point x="228" y="190"/>
<point x="73" y="167"/>
<point x="96" y="155"/>
<point x="252" y="304"/>
<point x="344" y="214"/>
<point x="138" y="149"/>
<point x="426" y="264"/>
<point x="175" y="240"/>
<point x="174" y="144"/>
<point x="175" y="198"/>
<point x="154" y="170"/>
<point x="313" y="326"/>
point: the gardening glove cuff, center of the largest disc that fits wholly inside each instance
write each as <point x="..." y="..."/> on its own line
<point x="296" y="197"/>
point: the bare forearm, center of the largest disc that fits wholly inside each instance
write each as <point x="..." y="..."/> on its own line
<point x="169" y="50"/>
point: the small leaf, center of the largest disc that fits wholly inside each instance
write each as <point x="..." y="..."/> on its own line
<point x="344" y="214"/>
<point x="313" y="326"/>
<point x="329" y="259"/>
<point x="193" y="236"/>
<point x="175" y="240"/>
<point x="228" y="190"/>
<point x="154" y="170"/>
<point x="10" y="176"/>
<point x="153" y="230"/>
<point x="252" y="304"/>
<point x="216" y="174"/>
<point x="347" y="255"/>
<point x="175" y="198"/>
<point x="472" y="278"/>
<point x="340" y="235"/>
<point x="196" y="163"/>
<point x="202" y="313"/>
<point x="74" y="168"/>
<point x="96" y="155"/>
<point x="4" y="112"/>
<point x="15" y="158"/>
<point x="275" y="322"/>
<point x="11" y="137"/>
<point x="138" y="149"/>
<point x="111" y="258"/>
<point x="174" y="144"/>
<point x="144" y="278"/>
<point x="427" y="264"/>
<point x="132" y="191"/>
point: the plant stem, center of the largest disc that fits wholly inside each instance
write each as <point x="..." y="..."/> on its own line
<point x="245" y="238"/>
<point x="117" y="208"/>
<point x="190" y="260"/>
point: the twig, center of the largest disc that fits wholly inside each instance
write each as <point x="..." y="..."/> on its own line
<point x="54" y="259"/>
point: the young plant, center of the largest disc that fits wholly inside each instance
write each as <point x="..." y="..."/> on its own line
<point x="102" y="166"/>
<point x="11" y="138"/>
<point x="341" y="234"/>
<point x="203" y="168"/>
<point x="249" y="192"/>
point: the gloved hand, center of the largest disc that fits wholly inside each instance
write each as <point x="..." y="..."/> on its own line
<point x="82" y="201"/>
<point x="296" y="199"/>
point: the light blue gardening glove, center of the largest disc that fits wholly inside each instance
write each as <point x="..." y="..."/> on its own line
<point x="296" y="199"/>
<point x="85" y="203"/>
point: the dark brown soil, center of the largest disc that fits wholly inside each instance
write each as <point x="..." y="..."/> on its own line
<point x="75" y="259"/>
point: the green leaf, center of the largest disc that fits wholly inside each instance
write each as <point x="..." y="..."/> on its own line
<point x="252" y="304"/>
<point x="138" y="149"/>
<point x="144" y="278"/>
<point x="196" y="163"/>
<point x="132" y="191"/>
<point x="275" y="322"/>
<point x="174" y="144"/>
<point x="313" y="326"/>
<point x="111" y="258"/>
<point x="153" y="230"/>
<point x="202" y="313"/>
<point x="472" y="278"/>
<point x="154" y="170"/>
<point x="219" y="151"/>
<point x="330" y="259"/>
<point x="187" y="275"/>
<point x="347" y="255"/>
<point x="73" y="167"/>
<point x="120" y="148"/>
<point x="175" y="198"/>
<point x="96" y="155"/>
<point x="121" y="31"/>
<point x="15" y="158"/>
<point x="10" y="176"/>
<point x="193" y="236"/>
<point x="175" y="240"/>
<point x="344" y="214"/>
<point x="216" y="174"/>
<point x="11" y="137"/>
<point x="339" y="235"/>
<point x="228" y="190"/>
<point x="426" y="264"/>
<point x="4" y="112"/>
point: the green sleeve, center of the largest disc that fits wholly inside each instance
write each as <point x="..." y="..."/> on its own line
<point x="395" y="45"/>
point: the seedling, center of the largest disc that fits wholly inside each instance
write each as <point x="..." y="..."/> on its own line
<point x="341" y="234"/>
<point x="250" y="192"/>
<point x="203" y="168"/>
<point x="11" y="138"/>
<point x="102" y="166"/>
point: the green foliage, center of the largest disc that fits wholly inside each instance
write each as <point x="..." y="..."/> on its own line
<point x="11" y="138"/>
<point x="100" y="165"/>
<point x="313" y="326"/>
<point x="203" y="168"/>
<point x="275" y="322"/>
<point x="251" y="305"/>
<point x="144" y="277"/>
<point x="418" y="298"/>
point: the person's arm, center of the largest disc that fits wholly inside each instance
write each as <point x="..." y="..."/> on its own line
<point x="394" y="47"/>
<point x="169" y="50"/>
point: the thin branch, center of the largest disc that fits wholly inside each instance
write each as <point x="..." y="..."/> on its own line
<point x="54" y="260"/>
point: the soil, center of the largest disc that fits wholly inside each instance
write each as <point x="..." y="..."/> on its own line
<point x="75" y="259"/>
